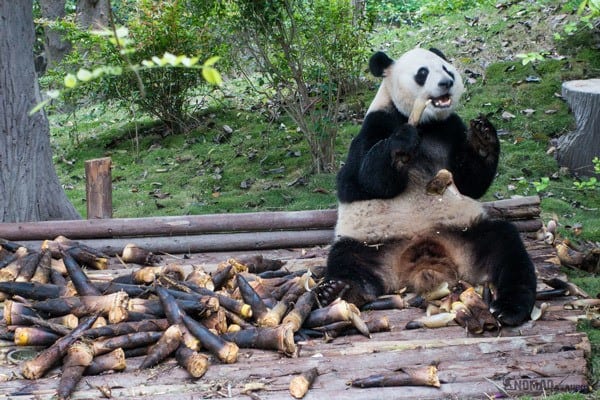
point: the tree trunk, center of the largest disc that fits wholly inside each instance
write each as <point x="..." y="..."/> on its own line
<point x="54" y="46"/>
<point x="29" y="187"/>
<point x="92" y="14"/>
<point x="577" y="149"/>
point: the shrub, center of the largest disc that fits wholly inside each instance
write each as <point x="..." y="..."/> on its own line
<point x="155" y="28"/>
<point x="310" y="53"/>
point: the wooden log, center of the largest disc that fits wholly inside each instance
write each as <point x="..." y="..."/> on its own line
<point x="98" y="189"/>
<point x="577" y="149"/>
<point x="215" y="242"/>
<point x="170" y="226"/>
<point x="514" y="209"/>
<point x="521" y="208"/>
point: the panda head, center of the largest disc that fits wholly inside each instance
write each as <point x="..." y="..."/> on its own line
<point x="417" y="73"/>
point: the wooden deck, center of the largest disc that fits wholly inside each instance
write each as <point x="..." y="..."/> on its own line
<point x="539" y="357"/>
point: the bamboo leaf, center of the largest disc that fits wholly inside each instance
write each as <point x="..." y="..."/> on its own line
<point x="211" y="61"/>
<point x="211" y="75"/>
<point x="84" y="75"/>
<point x="70" y="81"/>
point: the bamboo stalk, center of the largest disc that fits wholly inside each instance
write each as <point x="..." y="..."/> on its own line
<point x="424" y="376"/>
<point x="225" y="351"/>
<point x="37" y="367"/>
<point x="300" y="312"/>
<point x="33" y="336"/>
<point x="28" y="268"/>
<point x="167" y="344"/>
<point x="138" y="255"/>
<point x="80" y="280"/>
<point x="195" y="363"/>
<point x="299" y="385"/>
<point x="48" y="325"/>
<point x="259" y="309"/>
<point x="42" y="272"/>
<point x="128" y="341"/>
<point x="34" y="291"/>
<point x="113" y="305"/>
<point x="79" y="357"/>
<point x="124" y="328"/>
<point x="113" y="361"/>
<point x="280" y="338"/>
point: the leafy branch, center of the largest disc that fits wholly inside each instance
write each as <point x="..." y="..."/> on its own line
<point x="120" y="38"/>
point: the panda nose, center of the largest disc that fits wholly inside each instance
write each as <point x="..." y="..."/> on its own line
<point x="446" y="83"/>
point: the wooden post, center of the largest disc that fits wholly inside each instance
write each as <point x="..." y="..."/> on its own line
<point x="577" y="149"/>
<point x="98" y="188"/>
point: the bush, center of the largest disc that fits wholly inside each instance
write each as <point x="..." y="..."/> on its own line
<point x="310" y="53"/>
<point x="155" y="28"/>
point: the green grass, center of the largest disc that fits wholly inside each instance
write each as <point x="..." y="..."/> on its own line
<point x="266" y="164"/>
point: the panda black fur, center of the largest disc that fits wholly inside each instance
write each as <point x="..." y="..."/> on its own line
<point x="390" y="234"/>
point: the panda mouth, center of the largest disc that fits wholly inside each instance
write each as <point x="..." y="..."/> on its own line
<point x="444" y="101"/>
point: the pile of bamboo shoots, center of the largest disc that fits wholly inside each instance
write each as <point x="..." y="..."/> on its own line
<point x="463" y="304"/>
<point x="156" y="311"/>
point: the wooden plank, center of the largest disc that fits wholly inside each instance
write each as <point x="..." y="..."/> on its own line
<point x="98" y="188"/>
<point x="508" y="363"/>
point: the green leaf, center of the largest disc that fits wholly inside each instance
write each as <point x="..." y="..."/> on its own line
<point x="53" y="94"/>
<point x="189" y="62"/>
<point x="159" y="61"/>
<point x="211" y="75"/>
<point x="70" y="81"/>
<point x="84" y="75"/>
<point x="148" y="63"/>
<point x="211" y="61"/>
<point x="39" y="106"/>
<point x="170" y="59"/>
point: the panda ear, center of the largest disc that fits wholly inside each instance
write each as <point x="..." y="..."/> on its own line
<point x="438" y="53"/>
<point x="378" y="63"/>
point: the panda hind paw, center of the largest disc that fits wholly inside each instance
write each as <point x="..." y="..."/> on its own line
<point x="510" y="314"/>
<point x="328" y="291"/>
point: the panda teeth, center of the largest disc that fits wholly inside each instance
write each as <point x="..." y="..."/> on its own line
<point x="442" y="101"/>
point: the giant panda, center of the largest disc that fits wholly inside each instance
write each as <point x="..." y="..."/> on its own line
<point x="390" y="233"/>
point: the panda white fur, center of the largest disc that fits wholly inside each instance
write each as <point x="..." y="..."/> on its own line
<point x="390" y="234"/>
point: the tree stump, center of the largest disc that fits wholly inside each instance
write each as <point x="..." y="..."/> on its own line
<point x="576" y="149"/>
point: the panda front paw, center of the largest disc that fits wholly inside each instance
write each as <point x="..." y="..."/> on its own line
<point x="403" y="145"/>
<point x="328" y="291"/>
<point x="511" y="312"/>
<point x="483" y="137"/>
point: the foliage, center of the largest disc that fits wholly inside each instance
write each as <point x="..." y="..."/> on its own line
<point x="394" y="11"/>
<point x="588" y="12"/>
<point x="310" y="53"/>
<point x="531" y="57"/>
<point x="156" y="29"/>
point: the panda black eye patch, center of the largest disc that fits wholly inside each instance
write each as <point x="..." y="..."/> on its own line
<point x="421" y="76"/>
<point x="448" y="72"/>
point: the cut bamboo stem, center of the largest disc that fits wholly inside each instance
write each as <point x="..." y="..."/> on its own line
<point x="280" y="338"/>
<point x="37" y="367"/>
<point x="424" y="376"/>
<point x="113" y="361"/>
<point x="225" y="351"/>
<point x="166" y="345"/>
<point x="299" y="385"/>
<point x="195" y="363"/>
<point x="79" y="357"/>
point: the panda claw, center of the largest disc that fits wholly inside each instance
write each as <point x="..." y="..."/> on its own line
<point x="330" y="290"/>
<point x="509" y="316"/>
